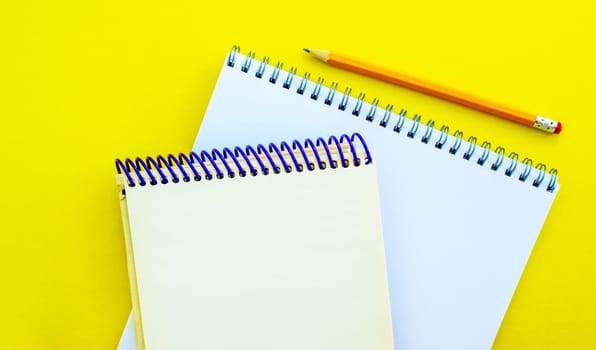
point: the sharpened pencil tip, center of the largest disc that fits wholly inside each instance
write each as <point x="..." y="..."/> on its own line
<point x="307" y="50"/>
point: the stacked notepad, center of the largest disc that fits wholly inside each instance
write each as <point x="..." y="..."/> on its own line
<point x="263" y="247"/>
<point x="459" y="220"/>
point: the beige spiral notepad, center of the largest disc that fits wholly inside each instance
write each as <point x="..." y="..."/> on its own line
<point x="272" y="247"/>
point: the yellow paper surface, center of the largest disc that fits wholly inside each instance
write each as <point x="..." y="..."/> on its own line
<point x="86" y="82"/>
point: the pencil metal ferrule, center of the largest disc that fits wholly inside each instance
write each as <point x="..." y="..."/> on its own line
<point x="545" y="124"/>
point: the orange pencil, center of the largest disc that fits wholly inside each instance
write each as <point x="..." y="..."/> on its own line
<point x="530" y="119"/>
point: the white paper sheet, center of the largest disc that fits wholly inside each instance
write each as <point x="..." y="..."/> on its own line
<point x="457" y="234"/>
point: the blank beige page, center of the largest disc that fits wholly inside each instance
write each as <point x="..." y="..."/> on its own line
<point x="280" y="261"/>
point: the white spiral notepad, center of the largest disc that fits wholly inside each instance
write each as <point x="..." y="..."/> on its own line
<point x="275" y="246"/>
<point x="459" y="219"/>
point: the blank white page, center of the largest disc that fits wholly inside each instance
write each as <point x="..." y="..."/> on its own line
<point x="457" y="234"/>
<point x="280" y="261"/>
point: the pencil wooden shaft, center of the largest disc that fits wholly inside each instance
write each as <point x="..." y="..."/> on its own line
<point x="431" y="89"/>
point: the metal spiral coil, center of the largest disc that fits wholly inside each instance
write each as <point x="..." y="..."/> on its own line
<point x="415" y="125"/>
<point x="485" y="153"/>
<point x="231" y="59"/>
<point x="528" y="168"/>
<point x="317" y="90"/>
<point x="542" y="171"/>
<point x="457" y="144"/>
<point x="290" y="77"/>
<point x="278" y="67"/>
<point x="331" y="94"/>
<point x="471" y="147"/>
<point x="500" y="151"/>
<point x="370" y="116"/>
<point x="359" y="104"/>
<point x="219" y="163"/>
<point x="442" y="139"/>
<point x="345" y="99"/>
<point x="247" y="62"/>
<point x="386" y="116"/>
<point x="430" y="127"/>
<point x="552" y="183"/>
<point x="262" y="67"/>
<point x="400" y="121"/>
<point x="303" y="84"/>
<point x="513" y="164"/>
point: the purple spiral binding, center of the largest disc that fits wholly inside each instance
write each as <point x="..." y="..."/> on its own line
<point x="321" y="142"/>
<point x="273" y="148"/>
<point x="364" y="145"/>
<point x="217" y="155"/>
<point x="262" y="150"/>
<point x="228" y="153"/>
<point x="173" y="168"/>
<point x="250" y="150"/>
<point x="239" y="151"/>
<point x="120" y="167"/>
<point x="205" y="154"/>
<point x="352" y="148"/>
<point x="151" y="161"/>
<point x="139" y="162"/>
<point x="184" y="158"/>
<point x="343" y="161"/>
<point x="286" y="147"/>
<point x="298" y="145"/>
<point x="311" y="145"/>
<point x="161" y="161"/>
<point x="193" y="157"/>
<point x="172" y="159"/>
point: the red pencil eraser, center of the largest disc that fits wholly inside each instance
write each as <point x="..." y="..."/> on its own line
<point x="558" y="128"/>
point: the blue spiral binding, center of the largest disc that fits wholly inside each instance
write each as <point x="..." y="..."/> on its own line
<point x="139" y="162"/>
<point x="216" y="154"/>
<point x="172" y="159"/>
<point x="346" y="138"/>
<point x="227" y="152"/>
<point x="262" y="150"/>
<point x="130" y="164"/>
<point x="343" y="161"/>
<point x="321" y="142"/>
<point x="193" y="157"/>
<point x="120" y="167"/>
<point x="184" y="166"/>
<point x="298" y="145"/>
<point x="205" y="154"/>
<point x="183" y="157"/>
<point x="309" y="144"/>
<point x="161" y="161"/>
<point x="286" y="147"/>
<point x="239" y="151"/>
<point x="255" y="154"/>
<point x="273" y="148"/>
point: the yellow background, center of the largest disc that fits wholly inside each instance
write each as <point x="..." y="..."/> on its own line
<point x="84" y="82"/>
